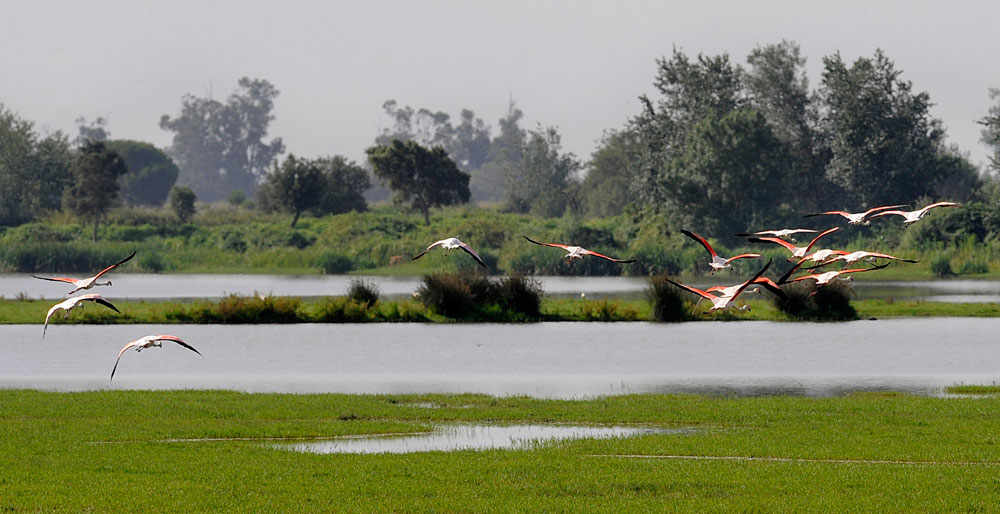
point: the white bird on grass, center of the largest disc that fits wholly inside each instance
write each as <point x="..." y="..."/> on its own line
<point x="857" y="218"/>
<point x="911" y="217"/>
<point x="87" y="283"/>
<point x="151" y="341"/>
<point x="579" y="252"/>
<point x="450" y="244"/>
<point x="71" y="303"/>
<point x="717" y="262"/>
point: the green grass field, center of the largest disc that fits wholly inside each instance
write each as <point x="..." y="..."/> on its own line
<point x="111" y="451"/>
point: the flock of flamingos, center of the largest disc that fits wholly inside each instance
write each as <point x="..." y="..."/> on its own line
<point x="720" y="296"/>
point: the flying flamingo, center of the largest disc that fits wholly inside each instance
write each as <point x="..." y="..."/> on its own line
<point x="450" y="244"/>
<point x="767" y="283"/>
<point x="797" y="251"/>
<point x="730" y="294"/>
<point x="911" y="217"/>
<point x="717" y="262"/>
<point x="71" y="303"/>
<point x="785" y="232"/>
<point x="851" y="258"/>
<point x="149" y="342"/>
<point x="823" y="279"/>
<point x="87" y="283"/>
<point x="857" y="218"/>
<point x="578" y="252"/>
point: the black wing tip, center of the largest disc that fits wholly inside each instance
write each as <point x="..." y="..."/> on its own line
<point x="743" y="234"/>
<point x="532" y="240"/>
<point x="625" y="261"/>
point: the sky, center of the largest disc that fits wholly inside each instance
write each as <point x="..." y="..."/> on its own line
<point x="579" y="66"/>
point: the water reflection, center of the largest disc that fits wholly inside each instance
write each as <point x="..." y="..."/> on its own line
<point x="469" y="437"/>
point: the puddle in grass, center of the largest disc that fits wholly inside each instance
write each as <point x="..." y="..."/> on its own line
<point x="470" y="437"/>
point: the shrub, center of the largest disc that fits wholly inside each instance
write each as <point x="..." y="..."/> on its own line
<point x="152" y="261"/>
<point x="941" y="265"/>
<point x="344" y="310"/>
<point x="332" y="263"/>
<point x="831" y="302"/>
<point x="447" y="294"/>
<point x="666" y="299"/>
<point x="363" y="292"/>
<point x="237" y="309"/>
<point x="520" y="294"/>
<point x="477" y="296"/>
<point x="974" y="267"/>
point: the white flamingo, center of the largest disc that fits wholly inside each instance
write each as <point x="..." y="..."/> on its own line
<point x="71" y="303"/>
<point x="857" y="218"/>
<point x="717" y="262"/>
<point x="450" y="244"/>
<point x="765" y="282"/>
<point x="911" y="217"/>
<point x="151" y="341"/>
<point x="783" y="233"/>
<point x="797" y="251"/>
<point x="729" y="295"/>
<point x="87" y="283"/>
<point x="823" y="279"/>
<point x="579" y="252"/>
<point x="853" y="257"/>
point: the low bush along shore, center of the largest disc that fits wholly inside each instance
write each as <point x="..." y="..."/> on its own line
<point x="210" y="451"/>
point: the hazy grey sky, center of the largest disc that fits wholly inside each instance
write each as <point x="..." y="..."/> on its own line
<point x="577" y="65"/>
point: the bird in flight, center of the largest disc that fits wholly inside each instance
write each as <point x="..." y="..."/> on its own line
<point x="717" y="262"/>
<point x="729" y="294"/>
<point x="783" y="233"/>
<point x="71" y="303"/>
<point x="857" y="218"/>
<point x="578" y="252"/>
<point x="87" y="283"/>
<point x="797" y="251"/>
<point x="911" y="217"/>
<point x="450" y="244"/>
<point x="151" y="341"/>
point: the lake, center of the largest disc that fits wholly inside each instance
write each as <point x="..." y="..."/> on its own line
<point x="157" y="286"/>
<point x="563" y="360"/>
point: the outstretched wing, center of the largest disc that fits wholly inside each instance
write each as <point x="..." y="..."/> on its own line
<point x="176" y="340"/>
<point x="126" y="347"/>
<point x="887" y="213"/>
<point x="554" y="245"/>
<point x="776" y="240"/>
<point x="115" y="265"/>
<point x="473" y="253"/>
<point x="784" y="278"/>
<point x="106" y="303"/>
<point x="821" y="234"/>
<point x="841" y="213"/>
<point x="771" y="286"/>
<point x="612" y="259"/>
<point x="751" y="281"/>
<point x="882" y="208"/>
<point x="435" y="243"/>
<point x="701" y="240"/>
<point x="694" y="290"/>
<point x="887" y="256"/>
<point x="742" y="256"/>
<point x="58" y="279"/>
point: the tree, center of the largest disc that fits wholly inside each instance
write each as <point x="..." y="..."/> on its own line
<point x="542" y="182"/>
<point x="420" y="177"/>
<point x="33" y="171"/>
<point x="423" y="126"/>
<point x="344" y="185"/>
<point x="92" y="131"/>
<point x="151" y="173"/>
<point x="605" y="188"/>
<point x="883" y="141"/>
<point x="295" y="186"/>
<point x="95" y="188"/>
<point x="219" y="147"/>
<point x="182" y="200"/>
<point x="991" y="131"/>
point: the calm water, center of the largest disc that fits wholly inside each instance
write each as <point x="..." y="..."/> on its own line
<point x="153" y="286"/>
<point x="468" y="437"/>
<point x="541" y="359"/>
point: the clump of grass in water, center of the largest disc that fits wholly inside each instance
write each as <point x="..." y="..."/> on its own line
<point x="666" y="300"/>
<point x="363" y="292"/>
<point x="477" y="296"/>
<point x="831" y="302"/>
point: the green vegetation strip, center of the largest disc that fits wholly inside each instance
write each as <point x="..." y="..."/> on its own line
<point x="864" y="452"/>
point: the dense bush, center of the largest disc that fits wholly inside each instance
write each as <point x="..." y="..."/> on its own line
<point x="332" y="263"/>
<point x="666" y="299"/>
<point x="941" y="265"/>
<point x="804" y="301"/>
<point x="478" y="296"/>
<point x="236" y="309"/>
<point x="363" y="292"/>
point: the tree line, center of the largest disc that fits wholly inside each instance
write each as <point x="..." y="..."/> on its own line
<point x="720" y="146"/>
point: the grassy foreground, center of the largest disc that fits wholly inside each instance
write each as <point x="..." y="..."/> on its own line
<point x="111" y="451"/>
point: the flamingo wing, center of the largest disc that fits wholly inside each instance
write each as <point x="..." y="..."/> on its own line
<point x="472" y="252"/>
<point x="841" y="213"/>
<point x="751" y="281"/>
<point x="177" y="340"/>
<point x="862" y="270"/>
<point x="938" y="204"/>
<point x="694" y="290"/>
<point x="771" y="286"/>
<point x="115" y="265"/>
<point x="554" y="245"/>
<point x="612" y="259"/>
<point x="701" y="240"/>
<point x="882" y="208"/>
<point x="825" y="232"/>
<point x="784" y="278"/>
<point x="887" y="256"/>
<point x="124" y="348"/>
<point x="58" y="279"/>
<point x="435" y="243"/>
<point x="743" y="256"/>
<point x="105" y="303"/>
<point x="776" y="240"/>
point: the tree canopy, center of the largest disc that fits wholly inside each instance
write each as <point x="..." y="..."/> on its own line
<point x="419" y="177"/>
<point x="95" y="171"/>
<point x="34" y="170"/>
<point x="151" y="173"/>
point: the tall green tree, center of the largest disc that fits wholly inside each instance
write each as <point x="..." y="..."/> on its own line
<point x="151" y="172"/>
<point x="294" y="186"/>
<point x="220" y="146"/>
<point x="88" y="131"/>
<point x="34" y="171"/>
<point x="991" y="130"/>
<point x="344" y="185"/>
<point x="182" y="200"/>
<point x="543" y="182"/>
<point x="95" y="188"/>
<point x="883" y="141"/>
<point x="605" y="188"/>
<point x="419" y="177"/>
